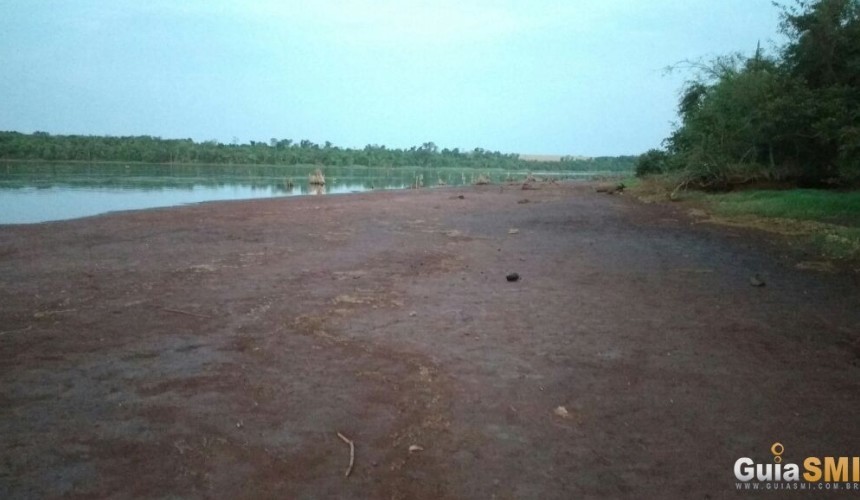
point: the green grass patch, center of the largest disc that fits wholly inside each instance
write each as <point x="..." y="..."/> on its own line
<point x="801" y="204"/>
<point x="828" y="220"/>
<point x="631" y="181"/>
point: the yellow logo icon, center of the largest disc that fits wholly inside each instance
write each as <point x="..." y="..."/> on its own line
<point x="777" y="449"/>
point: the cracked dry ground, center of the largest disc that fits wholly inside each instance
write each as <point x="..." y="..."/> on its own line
<point x="216" y="350"/>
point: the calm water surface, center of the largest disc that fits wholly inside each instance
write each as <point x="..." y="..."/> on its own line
<point x="38" y="193"/>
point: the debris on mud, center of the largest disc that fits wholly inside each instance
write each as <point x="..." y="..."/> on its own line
<point x="26" y="328"/>
<point x="562" y="412"/>
<point x="415" y="448"/>
<point x="45" y="314"/>
<point x="181" y="446"/>
<point x="523" y="201"/>
<point x="513" y="277"/>
<point x="351" y="453"/>
<point x="513" y="231"/>
<point x="186" y="313"/>
<point x="610" y="188"/>
<point x="756" y="281"/>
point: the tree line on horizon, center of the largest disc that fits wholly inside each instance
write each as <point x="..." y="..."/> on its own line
<point x="146" y="149"/>
<point x="791" y="116"/>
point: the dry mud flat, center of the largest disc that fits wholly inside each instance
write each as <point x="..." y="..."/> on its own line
<point x="216" y="350"/>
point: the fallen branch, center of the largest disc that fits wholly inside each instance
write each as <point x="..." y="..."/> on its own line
<point x="45" y="314"/>
<point x="177" y="311"/>
<point x="16" y="330"/>
<point x="683" y="185"/>
<point x="351" y="453"/>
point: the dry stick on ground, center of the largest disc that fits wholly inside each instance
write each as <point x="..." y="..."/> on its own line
<point x="351" y="453"/>
<point x="17" y="330"/>
<point x="177" y="311"/>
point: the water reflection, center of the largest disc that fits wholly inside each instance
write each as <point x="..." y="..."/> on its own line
<point x="43" y="192"/>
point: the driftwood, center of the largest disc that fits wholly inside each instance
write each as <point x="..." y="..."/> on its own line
<point x="316" y="178"/>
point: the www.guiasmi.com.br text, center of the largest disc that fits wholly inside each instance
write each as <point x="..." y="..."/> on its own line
<point x="799" y="486"/>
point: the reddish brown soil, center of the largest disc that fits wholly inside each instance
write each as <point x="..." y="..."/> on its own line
<point x="215" y="350"/>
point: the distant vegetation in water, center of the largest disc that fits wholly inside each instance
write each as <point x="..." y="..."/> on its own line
<point x="145" y="149"/>
<point x="792" y="116"/>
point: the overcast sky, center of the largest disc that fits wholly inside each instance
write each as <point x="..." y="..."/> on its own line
<point x="532" y="76"/>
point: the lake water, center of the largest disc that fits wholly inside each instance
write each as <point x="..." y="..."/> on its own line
<point x="38" y="193"/>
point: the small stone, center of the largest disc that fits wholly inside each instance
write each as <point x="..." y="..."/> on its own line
<point x="513" y="277"/>
<point x="755" y="280"/>
<point x="415" y="448"/>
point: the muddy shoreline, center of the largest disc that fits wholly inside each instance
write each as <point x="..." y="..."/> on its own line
<point x="215" y="350"/>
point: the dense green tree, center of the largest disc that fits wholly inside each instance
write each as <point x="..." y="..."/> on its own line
<point x="791" y="116"/>
<point x="43" y="146"/>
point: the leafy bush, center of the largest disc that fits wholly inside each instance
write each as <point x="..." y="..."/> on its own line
<point x="651" y="162"/>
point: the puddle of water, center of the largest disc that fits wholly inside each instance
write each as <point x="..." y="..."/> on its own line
<point x="46" y="192"/>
